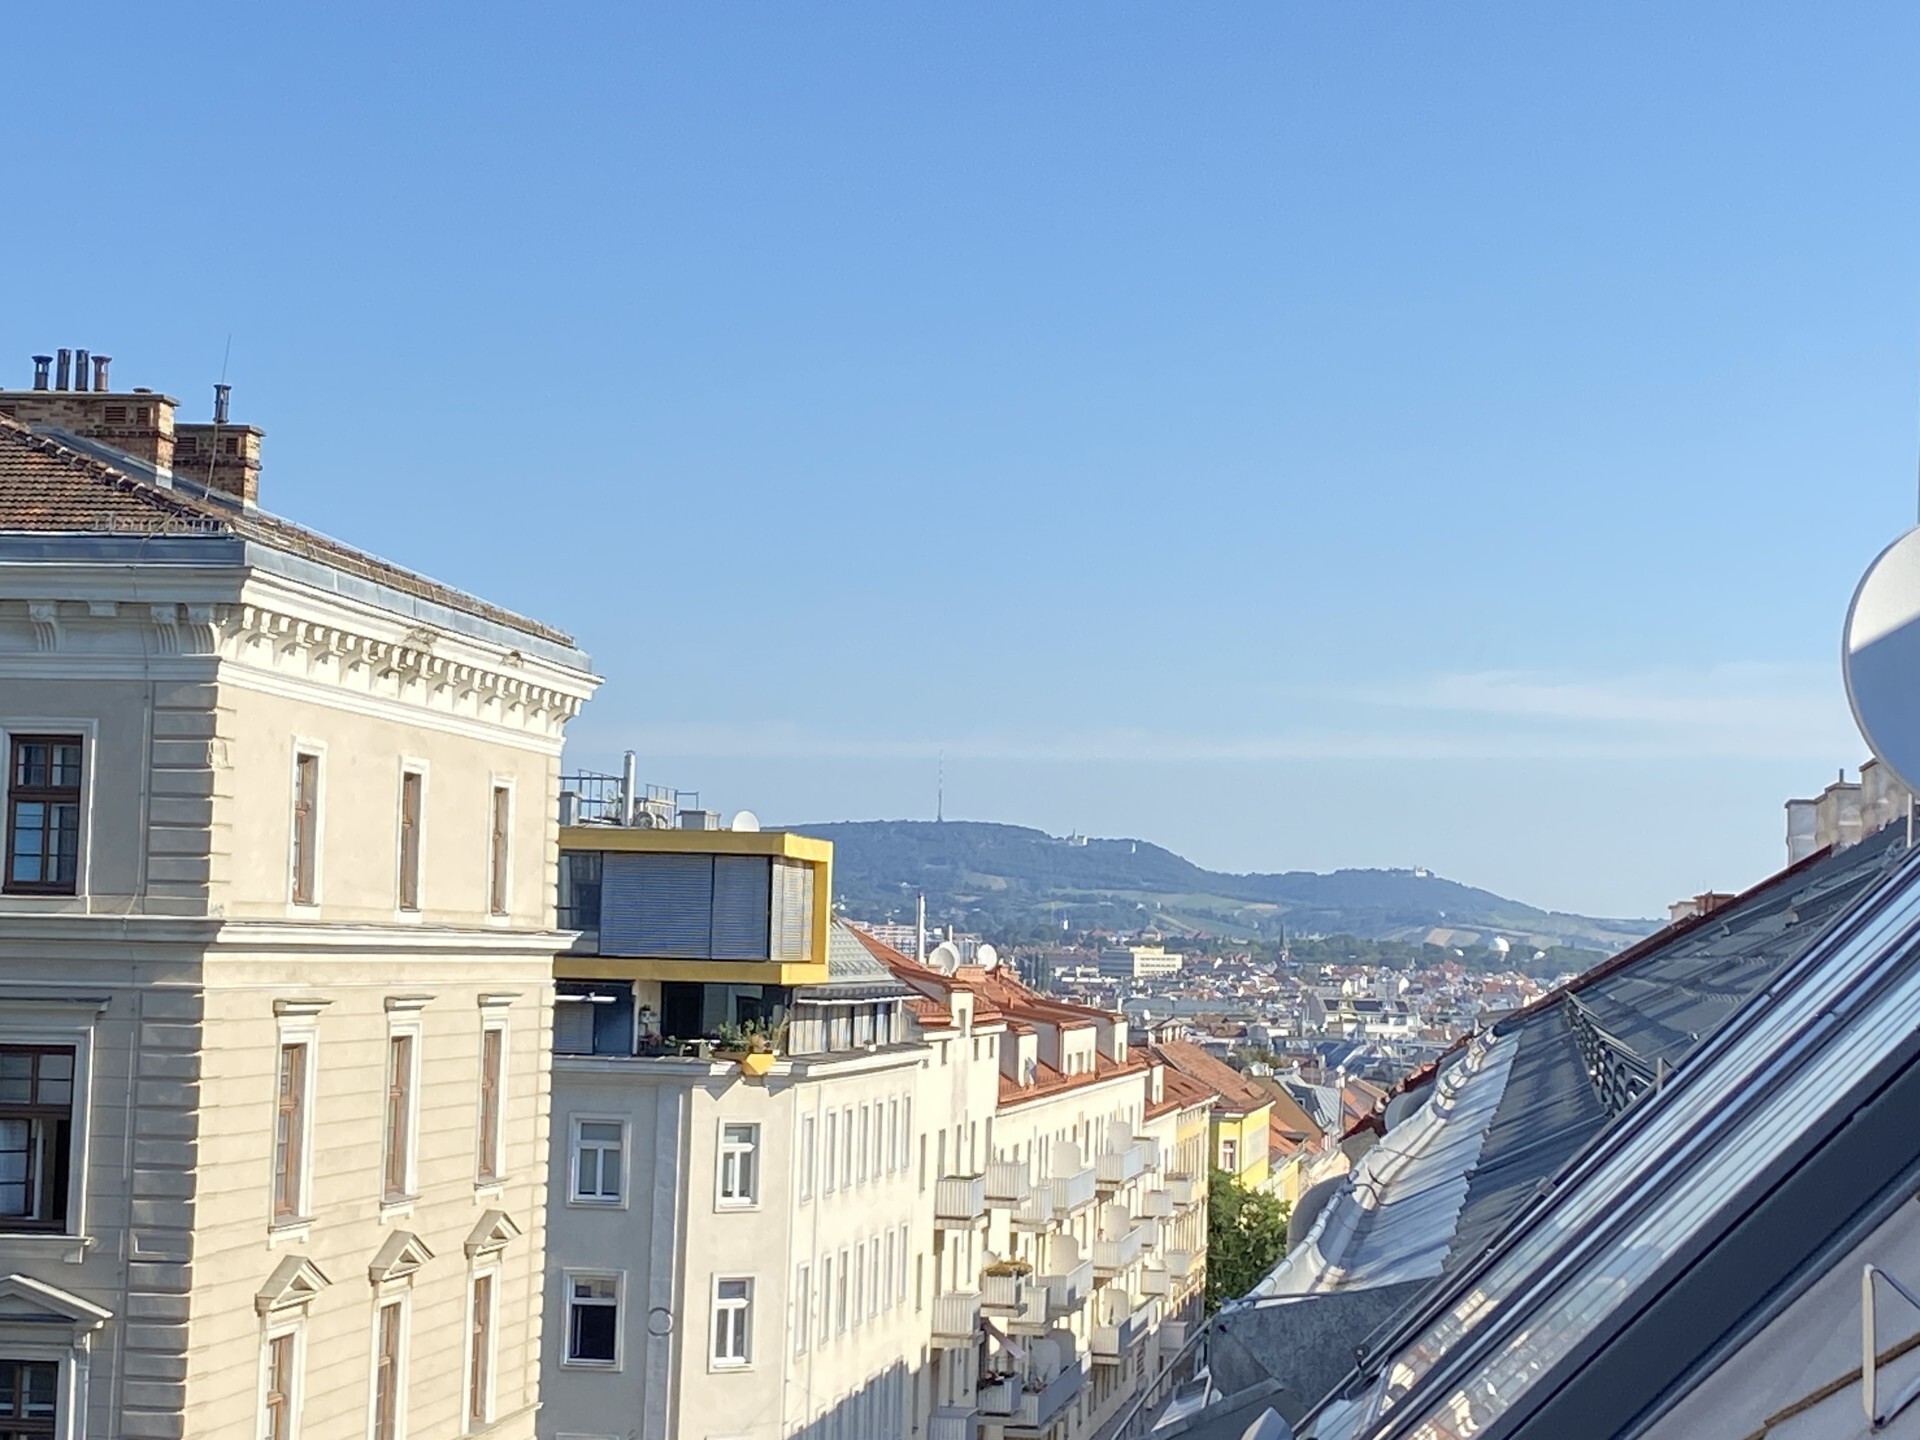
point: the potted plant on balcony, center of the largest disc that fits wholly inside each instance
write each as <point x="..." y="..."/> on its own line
<point x="752" y="1045"/>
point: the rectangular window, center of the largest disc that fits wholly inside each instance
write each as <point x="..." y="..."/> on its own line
<point x="806" y="1158"/>
<point x="306" y="825"/>
<point x="859" y="1284"/>
<point x="386" y="1371"/>
<point x="412" y="784"/>
<point x="826" y="1296"/>
<point x="398" y="1176"/>
<point x="1230" y="1156"/>
<point x="892" y="1142"/>
<point x="902" y="1292"/>
<point x="802" y="1307"/>
<point x="866" y="1137"/>
<point x="846" y="1146"/>
<point x="593" y="1319"/>
<point x="282" y="1401"/>
<point x="597" y="1150"/>
<point x="832" y="1151"/>
<point x="43" y="815"/>
<point x="732" y="1323"/>
<point x="738" y="1171"/>
<point x="290" y="1133"/>
<point x="879" y="1277"/>
<point x="885" y="1287"/>
<point x="497" y="850"/>
<point x="36" y="1135"/>
<point x="493" y="1054"/>
<point x="906" y="1131"/>
<point x="840" y="1295"/>
<point x="480" y="1353"/>
<point x="29" y="1398"/>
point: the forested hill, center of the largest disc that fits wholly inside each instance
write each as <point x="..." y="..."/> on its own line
<point x="1017" y="882"/>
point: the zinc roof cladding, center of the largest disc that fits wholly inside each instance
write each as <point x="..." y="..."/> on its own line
<point x="1238" y="1095"/>
<point x="1288" y="1113"/>
<point x="50" y="486"/>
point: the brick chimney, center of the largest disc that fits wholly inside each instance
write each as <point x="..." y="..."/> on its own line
<point x="223" y="458"/>
<point x="135" y="422"/>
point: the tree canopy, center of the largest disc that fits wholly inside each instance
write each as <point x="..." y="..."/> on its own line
<point x="1246" y="1237"/>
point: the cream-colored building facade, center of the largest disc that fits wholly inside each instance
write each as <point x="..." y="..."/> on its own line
<point x="277" y="922"/>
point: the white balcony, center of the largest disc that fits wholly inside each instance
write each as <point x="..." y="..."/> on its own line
<point x="1008" y="1185"/>
<point x="1114" y="1253"/>
<point x="1122" y="1166"/>
<point x="951" y="1422"/>
<point x="1073" y="1191"/>
<point x="1173" y="1337"/>
<point x="1180" y="1263"/>
<point x="1036" y="1405"/>
<point x="960" y="1201"/>
<point x="999" y="1397"/>
<point x="1037" y="1213"/>
<point x="1185" y="1190"/>
<point x="1155" y="1281"/>
<point x="1126" y="1324"/>
<point x="956" y="1319"/>
<point x="1068" y="1288"/>
<point x="1156" y="1205"/>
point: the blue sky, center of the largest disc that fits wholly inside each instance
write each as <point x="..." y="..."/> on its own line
<point x="1301" y="435"/>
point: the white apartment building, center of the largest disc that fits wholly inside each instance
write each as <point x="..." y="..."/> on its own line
<point x="276" y="909"/>
<point x="1139" y="962"/>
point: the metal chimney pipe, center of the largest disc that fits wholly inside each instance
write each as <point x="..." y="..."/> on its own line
<point x="60" y="375"/>
<point x="220" y="394"/>
<point x="40" y="365"/>
<point x="629" y="789"/>
<point x="100" y="363"/>
<point x="80" y="370"/>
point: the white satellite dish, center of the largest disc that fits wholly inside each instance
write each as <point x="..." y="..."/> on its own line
<point x="944" y="957"/>
<point x="745" y="820"/>
<point x="985" y="956"/>
<point x="1881" y="657"/>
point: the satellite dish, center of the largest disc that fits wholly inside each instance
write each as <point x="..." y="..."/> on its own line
<point x="944" y="957"/>
<point x="1882" y="657"/>
<point x="745" y="820"/>
<point x="985" y="956"/>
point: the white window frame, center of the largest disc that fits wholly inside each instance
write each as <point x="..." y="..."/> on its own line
<point x="59" y="1022"/>
<point x="619" y="1279"/>
<point x="1230" y="1154"/>
<point x="891" y="1144"/>
<point x="802" y="1307"/>
<point x="805" y="1144"/>
<point x="843" y="1277"/>
<point x="401" y="1294"/>
<point x="493" y="1016"/>
<point x="410" y="765"/>
<point x="879" y="1278"/>
<point x="302" y="745"/>
<point x="403" y="1019"/>
<point x="724" y="1149"/>
<point x="830" y="1168"/>
<point x="575" y="1146"/>
<point x="300" y="1027"/>
<point x="89" y="733"/>
<point x="715" y="1361"/>
<point x="859" y="1284"/>
<point x="468" y="1425"/>
<point x="278" y="1328"/>
<point x="865" y="1143"/>
<point x="504" y="915"/>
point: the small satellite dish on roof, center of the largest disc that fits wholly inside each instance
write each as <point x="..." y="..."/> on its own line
<point x="1881" y="657"/>
<point x="985" y="956"/>
<point x="944" y="957"/>
<point x="745" y="820"/>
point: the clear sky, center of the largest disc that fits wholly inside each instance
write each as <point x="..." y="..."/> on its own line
<point x="1302" y="435"/>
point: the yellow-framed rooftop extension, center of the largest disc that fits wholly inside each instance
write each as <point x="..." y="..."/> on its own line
<point x="726" y="907"/>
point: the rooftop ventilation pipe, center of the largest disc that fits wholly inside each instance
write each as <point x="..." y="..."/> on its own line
<point x="80" y="370"/>
<point x="41" y="364"/>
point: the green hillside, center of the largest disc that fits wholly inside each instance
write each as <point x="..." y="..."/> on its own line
<point x="1018" y="883"/>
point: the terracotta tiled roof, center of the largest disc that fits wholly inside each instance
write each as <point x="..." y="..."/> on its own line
<point x="1179" y="1092"/>
<point x="1049" y="1081"/>
<point x="1287" y="1113"/>
<point x="47" y="487"/>
<point x="1237" y="1095"/>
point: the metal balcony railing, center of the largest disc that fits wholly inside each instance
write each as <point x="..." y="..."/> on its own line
<point x="951" y="1422"/>
<point x="1111" y="1342"/>
<point x="956" y="1318"/>
<point x="1008" y="1185"/>
<point x="998" y="1397"/>
<point x="1120" y="1166"/>
<point x="1068" y="1289"/>
<point x="959" y="1201"/>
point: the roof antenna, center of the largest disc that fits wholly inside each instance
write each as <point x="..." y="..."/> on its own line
<point x="940" y="793"/>
<point x="220" y="392"/>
